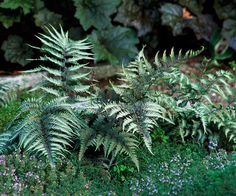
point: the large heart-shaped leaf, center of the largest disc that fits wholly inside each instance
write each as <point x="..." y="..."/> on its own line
<point x="116" y="44"/>
<point x="141" y="17"/>
<point x="95" y="12"/>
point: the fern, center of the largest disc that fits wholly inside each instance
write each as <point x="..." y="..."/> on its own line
<point x="6" y="142"/>
<point x="224" y="118"/>
<point x="46" y="128"/>
<point x="106" y="134"/>
<point x="64" y="77"/>
<point x="7" y="93"/>
<point x="185" y="106"/>
<point x="138" y="111"/>
<point x="192" y="104"/>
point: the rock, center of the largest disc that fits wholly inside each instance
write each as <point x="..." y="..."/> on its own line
<point x="25" y="81"/>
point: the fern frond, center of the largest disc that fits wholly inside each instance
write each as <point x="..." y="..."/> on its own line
<point x="67" y="74"/>
<point x="174" y="59"/>
<point x="6" y="144"/>
<point x="7" y="93"/>
<point x="185" y="105"/>
<point x="47" y="128"/>
<point x="113" y="141"/>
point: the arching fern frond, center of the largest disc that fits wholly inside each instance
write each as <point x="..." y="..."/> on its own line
<point x="106" y="135"/>
<point x="224" y="119"/>
<point x="66" y="74"/>
<point x="46" y="128"/>
<point x="172" y="59"/>
<point x="138" y="110"/>
<point x="6" y="142"/>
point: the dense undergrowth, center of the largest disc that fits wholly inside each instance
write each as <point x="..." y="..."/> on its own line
<point x="69" y="136"/>
<point x="174" y="169"/>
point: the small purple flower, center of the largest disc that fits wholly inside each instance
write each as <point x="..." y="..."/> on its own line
<point x="2" y="159"/>
<point x="28" y="174"/>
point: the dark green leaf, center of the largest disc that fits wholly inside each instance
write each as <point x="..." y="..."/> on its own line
<point x="142" y="18"/>
<point x="229" y="29"/>
<point x="194" y="6"/>
<point x="225" y="10"/>
<point x="46" y="17"/>
<point x="95" y="12"/>
<point x="117" y="44"/>
<point x="26" y="5"/>
<point x="172" y="16"/>
<point x="203" y="26"/>
<point x="76" y="33"/>
<point x="16" y="51"/>
<point x="8" y="21"/>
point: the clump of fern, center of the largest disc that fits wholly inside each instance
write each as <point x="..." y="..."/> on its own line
<point x="184" y="106"/>
<point x="197" y="115"/>
<point x="50" y="125"/>
<point x="43" y="128"/>
<point x="136" y="108"/>
<point x="7" y="93"/>
<point x="105" y="134"/>
<point x="63" y="64"/>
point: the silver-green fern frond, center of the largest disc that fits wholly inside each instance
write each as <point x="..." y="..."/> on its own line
<point x="137" y="110"/>
<point x="225" y="120"/>
<point x="47" y="127"/>
<point x="111" y="139"/>
<point x="67" y="72"/>
<point x="6" y="142"/>
<point x="171" y="59"/>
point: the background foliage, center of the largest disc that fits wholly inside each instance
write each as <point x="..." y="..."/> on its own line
<point x="117" y="28"/>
